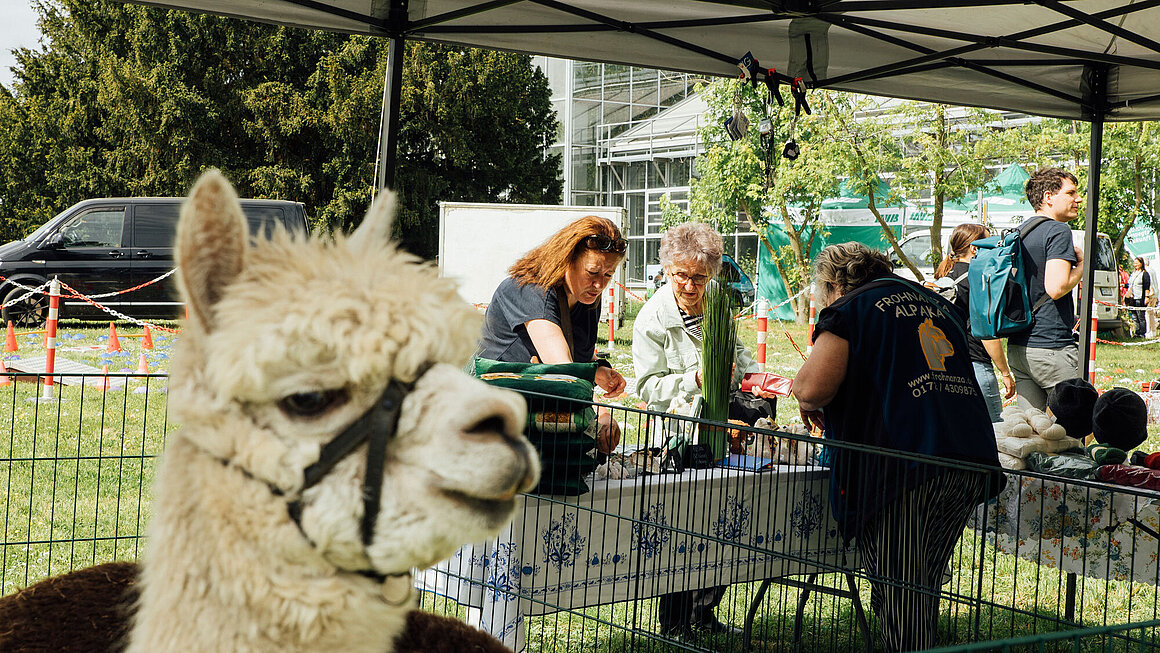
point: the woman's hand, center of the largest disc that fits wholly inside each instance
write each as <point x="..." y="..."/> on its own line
<point x="763" y="393"/>
<point x="611" y="382"/>
<point x="608" y="433"/>
<point x="1008" y="385"/>
<point x="812" y="418"/>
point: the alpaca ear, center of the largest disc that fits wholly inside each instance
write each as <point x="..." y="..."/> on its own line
<point x="376" y="225"/>
<point x="211" y="243"/>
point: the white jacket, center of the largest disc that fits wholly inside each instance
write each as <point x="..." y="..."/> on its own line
<point x="666" y="357"/>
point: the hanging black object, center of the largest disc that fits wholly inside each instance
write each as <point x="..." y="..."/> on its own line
<point x="771" y="84"/>
<point x="791" y="150"/>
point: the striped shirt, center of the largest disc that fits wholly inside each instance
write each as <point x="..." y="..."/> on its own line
<point x="692" y="323"/>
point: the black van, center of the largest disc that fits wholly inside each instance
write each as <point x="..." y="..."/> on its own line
<point x="102" y="246"/>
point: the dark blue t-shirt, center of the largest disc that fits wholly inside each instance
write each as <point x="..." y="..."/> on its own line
<point x="909" y="387"/>
<point x="1055" y="319"/>
<point x="505" y="338"/>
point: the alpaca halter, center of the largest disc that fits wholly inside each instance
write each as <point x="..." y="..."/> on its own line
<point x="376" y="427"/>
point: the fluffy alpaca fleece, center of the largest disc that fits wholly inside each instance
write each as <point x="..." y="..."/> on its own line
<point x="289" y="342"/>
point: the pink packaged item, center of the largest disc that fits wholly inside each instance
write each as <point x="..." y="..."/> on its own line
<point x="778" y="385"/>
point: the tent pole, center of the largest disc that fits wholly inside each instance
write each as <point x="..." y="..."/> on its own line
<point x="1098" y="98"/>
<point x="389" y="125"/>
<point x="392" y="90"/>
<point x="1099" y="89"/>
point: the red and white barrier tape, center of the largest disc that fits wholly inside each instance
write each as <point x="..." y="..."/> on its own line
<point x="120" y="316"/>
<point x="39" y="290"/>
<point x="1122" y="307"/>
<point x="1128" y="344"/>
<point x="630" y="293"/>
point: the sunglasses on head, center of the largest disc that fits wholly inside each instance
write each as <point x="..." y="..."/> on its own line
<point x="606" y="244"/>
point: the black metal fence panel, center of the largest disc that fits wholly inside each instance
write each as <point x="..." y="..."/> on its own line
<point x="659" y="549"/>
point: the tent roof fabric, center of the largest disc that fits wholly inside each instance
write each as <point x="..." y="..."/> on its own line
<point x="1030" y="57"/>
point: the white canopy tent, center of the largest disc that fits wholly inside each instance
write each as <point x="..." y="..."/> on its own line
<point x="1093" y="60"/>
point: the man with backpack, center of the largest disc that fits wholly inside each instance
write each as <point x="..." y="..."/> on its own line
<point x="1046" y="352"/>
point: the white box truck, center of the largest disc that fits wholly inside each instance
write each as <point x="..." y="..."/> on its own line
<point x="479" y="242"/>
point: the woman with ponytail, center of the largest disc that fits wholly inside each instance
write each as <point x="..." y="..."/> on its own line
<point x="986" y="355"/>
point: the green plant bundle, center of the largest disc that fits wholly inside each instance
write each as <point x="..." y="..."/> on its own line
<point x="719" y="335"/>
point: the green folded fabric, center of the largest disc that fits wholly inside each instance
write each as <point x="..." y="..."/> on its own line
<point x="585" y="371"/>
<point x="1073" y="463"/>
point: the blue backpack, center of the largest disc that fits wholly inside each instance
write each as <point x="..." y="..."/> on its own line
<point x="1000" y="301"/>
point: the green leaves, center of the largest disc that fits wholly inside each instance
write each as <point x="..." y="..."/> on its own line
<point x="133" y="100"/>
<point x="719" y="337"/>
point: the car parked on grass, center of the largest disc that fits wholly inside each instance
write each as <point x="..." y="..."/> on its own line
<point x="107" y="245"/>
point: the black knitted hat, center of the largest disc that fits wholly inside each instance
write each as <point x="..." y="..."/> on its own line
<point x="1120" y="419"/>
<point x="1072" y="402"/>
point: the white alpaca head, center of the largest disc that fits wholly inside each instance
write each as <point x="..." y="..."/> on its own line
<point x="289" y="341"/>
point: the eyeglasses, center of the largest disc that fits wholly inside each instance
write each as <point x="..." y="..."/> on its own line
<point x="605" y="243"/>
<point x="681" y="278"/>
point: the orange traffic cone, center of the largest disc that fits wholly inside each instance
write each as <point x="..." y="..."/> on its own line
<point x="147" y="339"/>
<point x="142" y="364"/>
<point x="114" y="342"/>
<point x="105" y="383"/>
<point x="10" y="340"/>
<point x="4" y="378"/>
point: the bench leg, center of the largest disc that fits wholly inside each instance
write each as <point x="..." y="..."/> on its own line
<point x="863" y="625"/>
<point x="801" y="607"/>
<point x="747" y="634"/>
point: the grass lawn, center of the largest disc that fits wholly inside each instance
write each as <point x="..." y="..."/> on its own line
<point x="75" y="481"/>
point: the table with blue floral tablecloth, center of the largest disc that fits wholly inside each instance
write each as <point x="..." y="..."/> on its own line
<point x="1089" y="529"/>
<point x="639" y="538"/>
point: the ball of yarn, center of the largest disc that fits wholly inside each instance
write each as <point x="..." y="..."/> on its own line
<point x="1053" y="432"/>
<point x="1021" y="430"/>
<point x="1041" y="423"/>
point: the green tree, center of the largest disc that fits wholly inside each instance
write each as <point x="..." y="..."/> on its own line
<point x="871" y="147"/>
<point x="940" y="153"/>
<point x="133" y="100"/>
<point x="750" y="178"/>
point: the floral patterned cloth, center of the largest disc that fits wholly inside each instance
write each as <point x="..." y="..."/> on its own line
<point x="1090" y="529"/>
<point x="637" y="538"/>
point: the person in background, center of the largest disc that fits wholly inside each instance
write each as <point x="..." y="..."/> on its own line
<point x="666" y="354"/>
<point x="1153" y="313"/>
<point x="1139" y="291"/>
<point x="548" y="309"/>
<point x="1046" y="352"/>
<point x="889" y="369"/>
<point x="986" y="355"/>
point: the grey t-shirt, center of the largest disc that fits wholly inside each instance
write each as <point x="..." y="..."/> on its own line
<point x="505" y="338"/>
<point x="1052" y="328"/>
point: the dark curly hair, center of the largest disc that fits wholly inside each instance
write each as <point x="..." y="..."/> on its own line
<point x="1046" y="180"/>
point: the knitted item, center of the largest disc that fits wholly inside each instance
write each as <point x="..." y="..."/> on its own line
<point x="1131" y="476"/>
<point x="1105" y="455"/>
<point x="1152" y="460"/>
<point x="1072" y="402"/>
<point x="1120" y="419"/>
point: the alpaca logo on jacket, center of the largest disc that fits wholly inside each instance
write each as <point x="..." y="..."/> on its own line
<point x="936" y="347"/>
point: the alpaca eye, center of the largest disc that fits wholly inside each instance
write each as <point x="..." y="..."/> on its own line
<point x="311" y="404"/>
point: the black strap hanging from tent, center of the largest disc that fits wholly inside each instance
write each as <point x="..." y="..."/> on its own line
<point x="798" y="90"/>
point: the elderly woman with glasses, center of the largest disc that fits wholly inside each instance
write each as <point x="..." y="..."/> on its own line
<point x="666" y="337"/>
<point x="666" y="352"/>
<point x="548" y="310"/>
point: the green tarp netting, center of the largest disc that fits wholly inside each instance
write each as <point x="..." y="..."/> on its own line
<point x="770" y="284"/>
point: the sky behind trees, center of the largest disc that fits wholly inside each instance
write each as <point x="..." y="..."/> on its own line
<point x="17" y="30"/>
